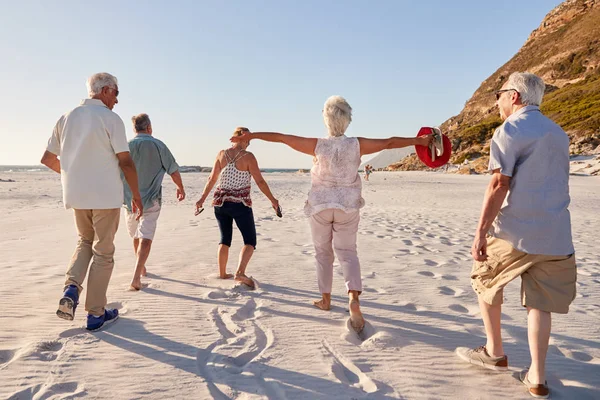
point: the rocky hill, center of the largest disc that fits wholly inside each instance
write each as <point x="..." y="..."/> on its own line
<point x="565" y="51"/>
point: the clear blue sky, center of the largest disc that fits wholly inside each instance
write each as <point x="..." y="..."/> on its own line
<point x="200" y="68"/>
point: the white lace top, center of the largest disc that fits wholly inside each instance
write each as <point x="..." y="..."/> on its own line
<point x="334" y="176"/>
<point x="233" y="184"/>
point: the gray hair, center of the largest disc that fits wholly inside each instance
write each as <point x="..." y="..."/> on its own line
<point x="96" y="82"/>
<point x="141" y="122"/>
<point x="530" y="87"/>
<point x="337" y="114"/>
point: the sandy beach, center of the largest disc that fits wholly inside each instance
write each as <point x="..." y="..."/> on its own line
<point x="189" y="335"/>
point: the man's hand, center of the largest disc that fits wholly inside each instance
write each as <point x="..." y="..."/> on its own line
<point x="479" y="248"/>
<point x="180" y="194"/>
<point x="245" y="137"/>
<point x="424" y="140"/>
<point x="137" y="207"/>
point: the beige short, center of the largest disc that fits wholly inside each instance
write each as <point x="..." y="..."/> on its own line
<point x="547" y="282"/>
<point x="145" y="227"/>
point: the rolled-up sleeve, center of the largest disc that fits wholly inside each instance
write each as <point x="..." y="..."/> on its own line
<point x="117" y="135"/>
<point x="503" y="151"/>
<point x="54" y="141"/>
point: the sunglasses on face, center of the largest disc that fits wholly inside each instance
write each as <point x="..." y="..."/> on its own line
<point x="499" y="92"/>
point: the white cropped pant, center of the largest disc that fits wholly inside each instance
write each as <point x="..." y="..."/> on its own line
<point x="338" y="228"/>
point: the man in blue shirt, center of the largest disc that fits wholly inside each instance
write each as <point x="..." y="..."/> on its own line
<point x="529" y="236"/>
<point x="152" y="160"/>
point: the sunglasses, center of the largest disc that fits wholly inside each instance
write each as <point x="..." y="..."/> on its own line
<point x="499" y="92"/>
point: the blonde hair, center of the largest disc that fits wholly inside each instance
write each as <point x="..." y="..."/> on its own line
<point x="239" y="131"/>
<point x="337" y="114"/>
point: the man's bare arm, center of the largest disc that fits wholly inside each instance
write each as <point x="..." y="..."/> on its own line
<point x="492" y="203"/>
<point x="128" y="167"/>
<point x="51" y="161"/>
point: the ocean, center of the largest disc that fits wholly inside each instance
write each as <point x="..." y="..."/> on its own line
<point x="41" y="168"/>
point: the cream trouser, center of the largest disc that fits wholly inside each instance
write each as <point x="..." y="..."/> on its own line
<point x="96" y="230"/>
<point x="333" y="226"/>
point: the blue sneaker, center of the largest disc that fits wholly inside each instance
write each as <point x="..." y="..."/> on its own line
<point x="95" y="323"/>
<point x="68" y="303"/>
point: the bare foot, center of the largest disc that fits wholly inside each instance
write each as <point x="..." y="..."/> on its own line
<point x="245" y="280"/>
<point x="322" y="304"/>
<point x="356" y="318"/>
<point x="135" y="285"/>
<point x="144" y="272"/>
<point x="226" y="276"/>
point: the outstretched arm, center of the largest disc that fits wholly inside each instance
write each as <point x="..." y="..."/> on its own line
<point x="492" y="203"/>
<point x="260" y="181"/>
<point x="212" y="179"/>
<point x="370" y="146"/>
<point x="298" y="143"/>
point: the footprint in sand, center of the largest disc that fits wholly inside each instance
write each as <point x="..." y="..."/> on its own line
<point x="426" y="273"/>
<point x="448" y="291"/>
<point x="346" y="371"/>
<point x="458" y="308"/>
<point x="449" y="277"/>
<point x="47" y="390"/>
<point x="407" y="242"/>
<point x="430" y="263"/>
<point x="193" y="222"/>
<point x="6" y="356"/>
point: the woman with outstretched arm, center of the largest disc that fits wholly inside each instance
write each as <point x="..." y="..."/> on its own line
<point x="335" y="196"/>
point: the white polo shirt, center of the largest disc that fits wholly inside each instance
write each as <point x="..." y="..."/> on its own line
<point x="87" y="140"/>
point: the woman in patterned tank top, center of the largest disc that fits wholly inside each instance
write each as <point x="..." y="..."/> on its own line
<point x="335" y="197"/>
<point x="232" y="172"/>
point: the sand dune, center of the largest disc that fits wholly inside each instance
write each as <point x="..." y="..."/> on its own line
<point x="190" y="335"/>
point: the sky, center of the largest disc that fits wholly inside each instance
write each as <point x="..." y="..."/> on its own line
<point x="201" y="68"/>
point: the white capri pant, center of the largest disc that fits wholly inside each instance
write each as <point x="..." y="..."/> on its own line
<point x="338" y="228"/>
<point x="145" y="227"/>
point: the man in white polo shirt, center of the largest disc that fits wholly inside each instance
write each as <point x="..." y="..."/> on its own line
<point x="88" y="147"/>
<point x="529" y="236"/>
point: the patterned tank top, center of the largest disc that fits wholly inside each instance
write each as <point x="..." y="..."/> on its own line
<point x="233" y="184"/>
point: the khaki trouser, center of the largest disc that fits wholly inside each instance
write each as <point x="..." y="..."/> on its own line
<point x="96" y="229"/>
<point x="333" y="226"/>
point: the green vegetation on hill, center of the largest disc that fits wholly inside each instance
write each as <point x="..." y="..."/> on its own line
<point x="576" y="107"/>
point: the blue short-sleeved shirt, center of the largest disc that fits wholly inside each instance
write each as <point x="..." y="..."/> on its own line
<point x="152" y="159"/>
<point x="534" y="152"/>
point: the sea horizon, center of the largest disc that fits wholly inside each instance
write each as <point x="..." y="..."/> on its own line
<point x="183" y="168"/>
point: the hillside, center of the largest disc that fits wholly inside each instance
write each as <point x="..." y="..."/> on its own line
<point x="387" y="157"/>
<point x="565" y="51"/>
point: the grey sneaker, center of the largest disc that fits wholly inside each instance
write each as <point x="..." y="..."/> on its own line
<point x="480" y="356"/>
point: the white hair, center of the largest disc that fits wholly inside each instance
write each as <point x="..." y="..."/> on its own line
<point x="337" y="114"/>
<point x="530" y="87"/>
<point x="96" y="82"/>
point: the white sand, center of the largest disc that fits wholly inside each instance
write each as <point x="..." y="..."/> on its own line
<point x="190" y="335"/>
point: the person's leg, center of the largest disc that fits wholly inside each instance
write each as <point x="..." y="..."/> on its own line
<point x="244" y="219"/>
<point x="225" y="222"/>
<point x="549" y="286"/>
<point x="345" y="229"/>
<point x="106" y="223"/>
<point x="80" y="261"/>
<point x="321" y="227"/>
<point x="146" y="227"/>
<point x="538" y="333"/>
<point x="140" y="265"/>
<point x="222" y="257"/>
<point x="491" y="315"/>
